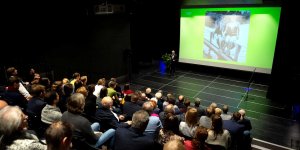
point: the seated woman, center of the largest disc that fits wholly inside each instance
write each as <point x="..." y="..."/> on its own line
<point x="83" y="129"/>
<point x="217" y="136"/>
<point x="13" y="130"/>
<point x="190" y="125"/>
<point x="170" y="130"/>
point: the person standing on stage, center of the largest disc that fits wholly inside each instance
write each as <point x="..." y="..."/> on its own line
<point x="173" y="63"/>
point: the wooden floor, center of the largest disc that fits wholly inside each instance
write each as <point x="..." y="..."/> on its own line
<point x="273" y="127"/>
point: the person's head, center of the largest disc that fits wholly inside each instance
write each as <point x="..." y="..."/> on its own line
<point x="140" y="120"/>
<point x="158" y="95"/>
<point x="107" y="102"/>
<point x="82" y="90"/>
<point x="213" y="105"/>
<point x="126" y="87"/>
<point x="243" y="113"/>
<point x="148" y="90"/>
<point x="84" y="80"/>
<point x="191" y="117"/>
<point x="59" y="136"/>
<point x="65" y="81"/>
<point x="180" y="98"/>
<point x="148" y="106"/>
<point x="101" y="81"/>
<point x="2" y="104"/>
<point x="174" y="145"/>
<point x="225" y="109"/>
<point x="76" y="76"/>
<point x="14" y="82"/>
<point x="103" y="92"/>
<point x="112" y="84"/>
<point x="12" y="71"/>
<point x="76" y="103"/>
<point x="68" y="89"/>
<point x="197" y="102"/>
<point x="236" y="116"/>
<point x="171" y="123"/>
<point x="169" y="109"/>
<point x="51" y="97"/>
<point x="187" y="103"/>
<point x="37" y="90"/>
<point x="12" y="121"/>
<point x="134" y="97"/>
<point x="201" y="135"/>
<point x="218" y="111"/>
<point x="173" y="52"/>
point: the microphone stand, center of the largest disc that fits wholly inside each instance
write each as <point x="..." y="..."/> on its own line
<point x="245" y="96"/>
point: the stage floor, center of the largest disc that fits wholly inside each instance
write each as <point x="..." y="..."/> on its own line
<point x="271" y="121"/>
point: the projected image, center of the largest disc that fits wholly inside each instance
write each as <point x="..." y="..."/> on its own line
<point x="226" y="35"/>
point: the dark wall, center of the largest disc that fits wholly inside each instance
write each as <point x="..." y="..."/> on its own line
<point x="64" y="37"/>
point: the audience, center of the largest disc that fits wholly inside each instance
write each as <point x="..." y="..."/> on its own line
<point x="59" y="136"/>
<point x="154" y="123"/>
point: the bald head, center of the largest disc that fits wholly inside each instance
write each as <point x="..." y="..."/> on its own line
<point x="106" y="102"/>
<point x="174" y="145"/>
<point x="169" y="109"/>
<point x="2" y="104"/>
<point x="242" y="112"/>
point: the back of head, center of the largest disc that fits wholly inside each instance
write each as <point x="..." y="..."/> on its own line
<point x="140" y="120"/>
<point x="10" y="120"/>
<point x="134" y="97"/>
<point x="218" y="111"/>
<point x="50" y="97"/>
<point x="76" y="103"/>
<point x="213" y="105"/>
<point x="171" y="123"/>
<point x="197" y="102"/>
<point x="2" y="104"/>
<point x="37" y="90"/>
<point x="106" y="102"/>
<point x="225" y="109"/>
<point x="158" y="95"/>
<point x="217" y="124"/>
<point x="148" y="106"/>
<point x="191" y="117"/>
<point x="59" y="136"/>
<point x="169" y="109"/>
<point x="174" y="145"/>
<point x="236" y="116"/>
<point x="148" y="90"/>
<point x="11" y="71"/>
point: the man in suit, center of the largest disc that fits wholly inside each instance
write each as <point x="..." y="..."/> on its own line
<point x="173" y="62"/>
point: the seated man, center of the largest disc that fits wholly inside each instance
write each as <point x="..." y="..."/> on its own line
<point x="83" y="129"/>
<point x="13" y="130"/>
<point x="59" y="136"/>
<point x="133" y="138"/>
<point x="107" y="117"/>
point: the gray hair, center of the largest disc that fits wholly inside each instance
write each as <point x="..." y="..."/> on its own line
<point x="76" y="103"/>
<point x="10" y="120"/>
<point x="140" y="119"/>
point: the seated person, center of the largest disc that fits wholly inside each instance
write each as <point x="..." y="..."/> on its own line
<point x="13" y="130"/>
<point x="59" y="136"/>
<point x="83" y="129"/>
<point x="133" y="138"/>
